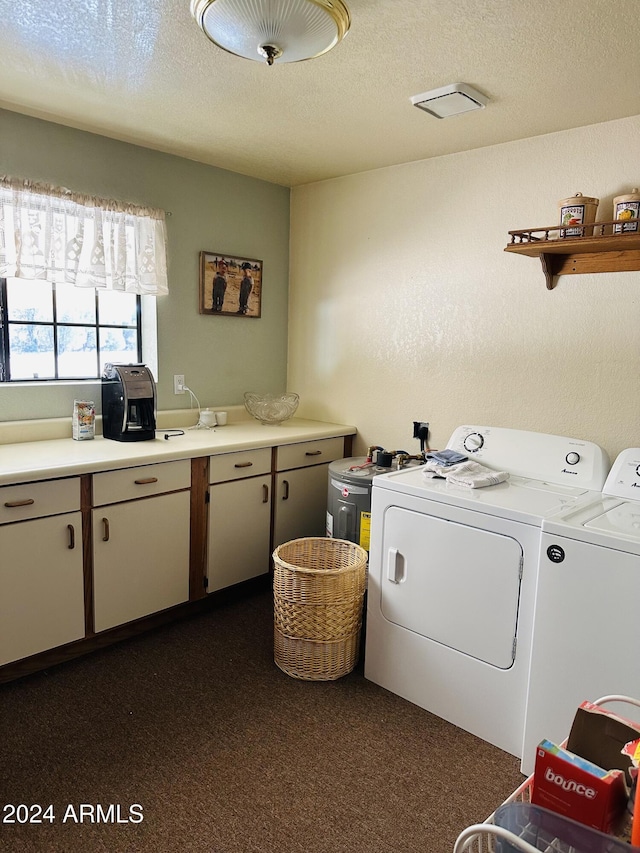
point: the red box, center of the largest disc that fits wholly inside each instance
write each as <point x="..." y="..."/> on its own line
<point x="570" y="790"/>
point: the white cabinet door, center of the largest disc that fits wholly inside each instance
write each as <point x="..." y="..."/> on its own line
<point x="301" y="503"/>
<point x="141" y="558"/>
<point x="239" y="531"/>
<point x="41" y="585"/>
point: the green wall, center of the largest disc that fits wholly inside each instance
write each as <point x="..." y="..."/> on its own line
<point x="212" y="210"/>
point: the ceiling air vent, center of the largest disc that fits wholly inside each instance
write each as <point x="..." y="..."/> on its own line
<point x="450" y="100"/>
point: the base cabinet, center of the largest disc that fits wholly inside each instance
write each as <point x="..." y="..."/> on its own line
<point x="239" y="517"/>
<point x="103" y="550"/>
<point x="41" y="585"/>
<point x="141" y="558"/>
<point x="302" y="487"/>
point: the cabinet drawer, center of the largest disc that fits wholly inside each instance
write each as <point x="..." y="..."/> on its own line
<point x="242" y="463"/>
<point x="309" y="453"/>
<point x="140" y="482"/>
<point x="35" y="500"/>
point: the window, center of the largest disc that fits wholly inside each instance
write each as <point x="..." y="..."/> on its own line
<point x="73" y="270"/>
<point x="58" y="331"/>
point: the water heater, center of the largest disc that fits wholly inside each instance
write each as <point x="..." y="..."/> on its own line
<point x="349" y="500"/>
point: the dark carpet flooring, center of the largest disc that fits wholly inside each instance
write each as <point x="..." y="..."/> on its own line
<point x="225" y="753"/>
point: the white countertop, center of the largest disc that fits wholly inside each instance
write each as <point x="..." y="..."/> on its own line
<point x="64" y="457"/>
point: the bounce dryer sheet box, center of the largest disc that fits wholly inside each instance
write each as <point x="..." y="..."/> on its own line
<point x="578" y="789"/>
<point x="600" y="735"/>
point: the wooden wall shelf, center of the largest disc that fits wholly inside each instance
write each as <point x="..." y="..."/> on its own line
<point x="596" y="249"/>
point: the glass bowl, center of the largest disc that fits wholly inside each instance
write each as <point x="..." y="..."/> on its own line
<point x="271" y="408"/>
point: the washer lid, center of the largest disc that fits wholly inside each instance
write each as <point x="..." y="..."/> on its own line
<point x="606" y="521"/>
<point x="623" y="519"/>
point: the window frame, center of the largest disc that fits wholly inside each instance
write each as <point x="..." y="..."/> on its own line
<point x="5" y="323"/>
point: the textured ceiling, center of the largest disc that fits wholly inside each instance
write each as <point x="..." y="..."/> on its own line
<point x="142" y="71"/>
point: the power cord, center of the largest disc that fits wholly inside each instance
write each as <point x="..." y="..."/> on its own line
<point x="172" y="433"/>
<point x="199" y="425"/>
<point x="421" y="431"/>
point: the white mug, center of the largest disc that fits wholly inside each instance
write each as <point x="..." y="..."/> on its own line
<point x="221" y="418"/>
<point x="208" y="417"/>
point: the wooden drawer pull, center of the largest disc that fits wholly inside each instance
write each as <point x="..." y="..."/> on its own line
<point x="146" y="481"/>
<point x="243" y="465"/>
<point x="105" y="524"/>
<point x="25" y="502"/>
<point x="313" y="453"/>
<point x="72" y="536"/>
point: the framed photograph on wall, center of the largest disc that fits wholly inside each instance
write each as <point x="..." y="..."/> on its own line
<point x="230" y="286"/>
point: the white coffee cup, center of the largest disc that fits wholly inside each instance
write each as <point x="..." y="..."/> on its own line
<point x="208" y="417"/>
<point x="221" y="418"/>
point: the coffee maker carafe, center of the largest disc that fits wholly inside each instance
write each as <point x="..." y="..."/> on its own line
<point x="128" y="402"/>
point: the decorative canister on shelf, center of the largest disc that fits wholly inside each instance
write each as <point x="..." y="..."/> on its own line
<point x="578" y="210"/>
<point x="626" y="207"/>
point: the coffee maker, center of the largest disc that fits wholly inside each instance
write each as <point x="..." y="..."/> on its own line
<point x="128" y="402"/>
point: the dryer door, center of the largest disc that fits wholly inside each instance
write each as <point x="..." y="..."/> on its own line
<point x="452" y="583"/>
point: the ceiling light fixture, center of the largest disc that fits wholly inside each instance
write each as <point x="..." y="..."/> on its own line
<point x="274" y="31"/>
<point x="450" y="100"/>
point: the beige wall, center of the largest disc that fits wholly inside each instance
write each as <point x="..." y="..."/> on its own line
<point x="403" y="305"/>
<point x="212" y="210"/>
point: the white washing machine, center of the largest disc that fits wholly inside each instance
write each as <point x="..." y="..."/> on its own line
<point x="588" y="604"/>
<point x="453" y="571"/>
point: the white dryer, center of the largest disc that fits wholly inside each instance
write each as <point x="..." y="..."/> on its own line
<point x="453" y="571"/>
<point x="586" y="617"/>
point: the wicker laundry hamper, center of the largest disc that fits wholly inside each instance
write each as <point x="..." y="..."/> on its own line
<point x="318" y="594"/>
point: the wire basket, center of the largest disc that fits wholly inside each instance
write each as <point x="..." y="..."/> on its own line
<point x="318" y="594"/>
<point x="487" y="837"/>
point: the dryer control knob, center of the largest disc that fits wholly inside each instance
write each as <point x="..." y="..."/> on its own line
<point x="572" y="458"/>
<point x="473" y="442"/>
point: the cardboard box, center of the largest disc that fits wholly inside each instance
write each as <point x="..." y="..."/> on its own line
<point x="600" y="735"/>
<point x="576" y="788"/>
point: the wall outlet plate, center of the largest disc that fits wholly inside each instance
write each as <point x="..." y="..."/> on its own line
<point x="178" y="383"/>
<point x="421" y="429"/>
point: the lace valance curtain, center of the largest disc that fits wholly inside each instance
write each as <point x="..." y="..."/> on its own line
<point x="51" y="233"/>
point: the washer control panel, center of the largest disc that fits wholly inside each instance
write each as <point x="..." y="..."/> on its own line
<point x="624" y="478"/>
<point x="538" y="456"/>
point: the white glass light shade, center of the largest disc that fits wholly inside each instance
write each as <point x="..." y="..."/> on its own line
<point x="273" y="30"/>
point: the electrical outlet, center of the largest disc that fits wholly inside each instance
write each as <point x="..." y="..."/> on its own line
<point x="421" y="431"/>
<point x="178" y="383"/>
